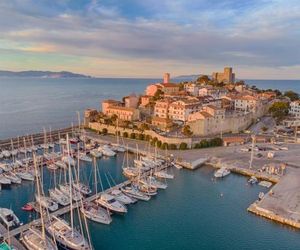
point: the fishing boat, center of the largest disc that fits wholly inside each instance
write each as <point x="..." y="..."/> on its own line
<point x="109" y="202"/>
<point x="8" y="217"/>
<point x="121" y="197"/>
<point x="59" y="197"/>
<point x="135" y="193"/>
<point x="35" y="239"/>
<point x="96" y="213"/>
<point x="47" y="202"/>
<point x="222" y="172"/>
<point x="65" y="235"/>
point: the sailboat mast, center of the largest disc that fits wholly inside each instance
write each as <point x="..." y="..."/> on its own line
<point x="70" y="185"/>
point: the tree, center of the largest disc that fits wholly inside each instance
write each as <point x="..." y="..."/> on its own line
<point x="292" y="95"/>
<point x="125" y="134"/>
<point x="204" y="143"/>
<point x="215" y="142"/>
<point x="141" y="137"/>
<point x="147" y="137"/>
<point x="203" y="79"/>
<point x="132" y="136"/>
<point x="104" y="131"/>
<point x="264" y="128"/>
<point x="279" y="110"/>
<point x="164" y="146"/>
<point x="158" y="144"/>
<point x="144" y="126"/>
<point x="187" y="131"/>
<point x="183" y="146"/>
<point x="158" y="94"/>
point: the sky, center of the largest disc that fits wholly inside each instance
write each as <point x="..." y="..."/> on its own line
<point x="260" y="39"/>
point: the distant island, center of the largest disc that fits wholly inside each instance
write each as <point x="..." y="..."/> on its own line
<point x="41" y="74"/>
<point x="188" y="77"/>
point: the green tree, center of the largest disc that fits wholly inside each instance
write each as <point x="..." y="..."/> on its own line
<point x="144" y="126"/>
<point x="292" y="95"/>
<point x="187" y="131"/>
<point x="204" y="79"/>
<point x="158" y="144"/>
<point x="158" y="95"/>
<point x="147" y="137"/>
<point x="279" y="110"/>
<point x="183" y="146"/>
<point x="164" y="146"/>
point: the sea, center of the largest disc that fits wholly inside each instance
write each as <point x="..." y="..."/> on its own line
<point x="194" y="212"/>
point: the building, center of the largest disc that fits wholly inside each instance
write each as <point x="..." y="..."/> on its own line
<point x="145" y="100"/>
<point x="161" y="108"/>
<point x="192" y="88"/>
<point x="169" y="88"/>
<point x="246" y="103"/>
<point x="89" y="115"/>
<point x="166" y="87"/>
<point x="166" y="78"/>
<point x="216" y="93"/>
<point x="109" y="103"/>
<point x="163" y="124"/>
<point x="180" y="110"/>
<point x="226" y="77"/>
<point x="123" y="113"/>
<point x="295" y="109"/>
<point x="131" y="101"/>
<point x="152" y="89"/>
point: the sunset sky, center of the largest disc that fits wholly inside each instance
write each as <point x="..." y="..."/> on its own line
<point x="144" y="38"/>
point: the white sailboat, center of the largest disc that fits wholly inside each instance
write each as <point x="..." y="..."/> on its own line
<point x="8" y="217"/>
<point x="59" y="196"/>
<point x="135" y="193"/>
<point x="106" y="151"/>
<point x="121" y="197"/>
<point x="47" y="202"/>
<point x="109" y="202"/>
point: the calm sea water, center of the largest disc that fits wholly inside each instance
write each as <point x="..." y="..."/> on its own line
<point x="190" y="214"/>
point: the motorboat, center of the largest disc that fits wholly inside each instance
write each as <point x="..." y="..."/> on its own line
<point x="96" y="153"/>
<point x="28" y="207"/>
<point x="106" y="151"/>
<point x="109" y="202"/>
<point x="121" y="197"/>
<point x="222" y="172"/>
<point x="33" y="239"/>
<point x="76" y="196"/>
<point x="47" y="202"/>
<point x="12" y="177"/>
<point x="8" y="217"/>
<point x="66" y="236"/>
<point x="59" y="197"/>
<point x="153" y="181"/>
<point x="82" y="188"/>
<point x="74" y="140"/>
<point x="261" y="195"/>
<point x="252" y="180"/>
<point x="135" y="193"/>
<point x="24" y="175"/>
<point x="14" y="152"/>
<point x="118" y="148"/>
<point x="84" y="157"/>
<point x="96" y="213"/>
<point x="5" y="167"/>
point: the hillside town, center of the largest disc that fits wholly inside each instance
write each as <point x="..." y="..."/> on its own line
<point x="184" y="113"/>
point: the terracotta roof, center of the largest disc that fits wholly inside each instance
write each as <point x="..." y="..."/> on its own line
<point x="160" y="119"/>
<point x="205" y="114"/>
<point x="166" y="85"/>
<point x="121" y="108"/>
<point x="111" y="101"/>
<point x="233" y="139"/>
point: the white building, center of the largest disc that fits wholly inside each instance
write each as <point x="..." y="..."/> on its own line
<point x="192" y="89"/>
<point x="295" y="108"/>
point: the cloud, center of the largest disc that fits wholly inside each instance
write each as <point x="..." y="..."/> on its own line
<point x="244" y="34"/>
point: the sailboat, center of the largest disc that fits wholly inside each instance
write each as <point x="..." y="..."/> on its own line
<point x="92" y="210"/>
<point x="128" y="171"/>
<point x="133" y="192"/>
<point x="59" y="196"/>
<point x="65" y="234"/>
<point x="109" y="202"/>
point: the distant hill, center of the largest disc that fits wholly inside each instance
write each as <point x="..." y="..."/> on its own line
<point x="41" y="74"/>
<point x="187" y="77"/>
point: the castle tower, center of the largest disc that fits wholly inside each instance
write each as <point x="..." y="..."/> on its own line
<point x="166" y="77"/>
<point x="228" y="74"/>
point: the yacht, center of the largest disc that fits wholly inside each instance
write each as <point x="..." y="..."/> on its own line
<point x="111" y="203"/>
<point x="130" y="172"/>
<point x="65" y="235"/>
<point x="4" y="180"/>
<point x="96" y="213"/>
<point x="121" y="197"/>
<point x="82" y="188"/>
<point x="12" y="177"/>
<point x="106" y="151"/>
<point x="144" y="187"/>
<point x="47" y="202"/>
<point x="158" y="184"/>
<point x="222" y="172"/>
<point x="163" y="175"/>
<point x="5" y="167"/>
<point x="135" y="193"/>
<point x="8" y="217"/>
<point x="118" y="148"/>
<point x="76" y="196"/>
<point x="84" y="157"/>
<point x="252" y="180"/>
<point x="6" y="153"/>
<point x="59" y="197"/>
<point x="33" y="239"/>
<point x="60" y="164"/>
<point x="52" y="166"/>
<point x="96" y="153"/>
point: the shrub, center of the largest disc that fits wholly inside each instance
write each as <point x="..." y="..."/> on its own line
<point x="147" y="137"/>
<point x="183" y="146"/>
<point x="125" y="134"/>
<point x="104" y="131"/>
<point x="197" y="145"/>
<point x="164" y="146"/>
<point x="158" y="144"/>
<point x="132" y="136"/>
<point x="204" y="144"/>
